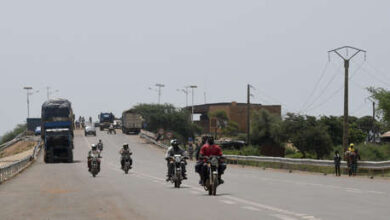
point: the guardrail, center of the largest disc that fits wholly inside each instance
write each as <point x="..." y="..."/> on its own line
<point x="12" y="169"/>
<point x="12" y="142"/>
<point x="370" y="165"/>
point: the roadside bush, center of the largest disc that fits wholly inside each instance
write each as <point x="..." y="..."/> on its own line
<point x="12" y="134"/>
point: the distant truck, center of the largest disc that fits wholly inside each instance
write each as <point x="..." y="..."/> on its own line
<point x="58" y="145"/>
<point x="105" y="119"/>
<point x="131" y="122"/>
<point x="57" y="113"/>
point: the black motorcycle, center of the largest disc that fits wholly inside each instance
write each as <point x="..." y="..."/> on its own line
<point x="127" y="163"/>
<point x="211" y="181"/>
<point x="177" y="161"/>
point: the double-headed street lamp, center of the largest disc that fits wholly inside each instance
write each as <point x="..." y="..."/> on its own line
<point x="185" y="91"/>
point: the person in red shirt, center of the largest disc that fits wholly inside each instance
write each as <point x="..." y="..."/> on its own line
<point x="211" y="149"/>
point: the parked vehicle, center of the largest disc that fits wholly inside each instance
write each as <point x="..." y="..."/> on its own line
<point x="177" y="160"/>
<point x="131" y="122"/>
<point x="105" y="120"/>
<point x="90" y="130"/>
<point x="58" y="145"/>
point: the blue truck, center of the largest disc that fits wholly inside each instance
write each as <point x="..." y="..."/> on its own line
<point x="57" y="130"/>
<point x="105" y="119"/>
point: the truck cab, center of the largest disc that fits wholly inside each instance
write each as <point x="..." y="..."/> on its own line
<point x="58" y="145"/>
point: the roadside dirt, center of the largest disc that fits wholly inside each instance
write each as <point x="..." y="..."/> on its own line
<point x="19" y="147"/>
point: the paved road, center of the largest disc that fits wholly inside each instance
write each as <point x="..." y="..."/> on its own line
<point x="68" y="191"/>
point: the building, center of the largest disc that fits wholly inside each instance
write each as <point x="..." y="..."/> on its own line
<point x="235" y="111"/>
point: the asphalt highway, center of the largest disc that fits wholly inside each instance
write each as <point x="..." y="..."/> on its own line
<point x="68" y="191"/>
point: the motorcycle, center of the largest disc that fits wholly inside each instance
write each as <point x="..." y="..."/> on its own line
<point x="177" y="177"/>
<point x="100" y="147"/>
<point x="94" y="166"/>
<point x="212" y="181"/>
<point x="127" y="163"/>
<point x="111" y="130"/>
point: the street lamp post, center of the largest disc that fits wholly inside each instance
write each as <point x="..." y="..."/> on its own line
<point x="192" y="108"/>
<point x="159" y="85"/>
<point x="185" y="91"/>
<point x="28" y="93"/>
<point x="28" y="89"/>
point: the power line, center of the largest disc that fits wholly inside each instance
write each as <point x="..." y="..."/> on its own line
<point x="336" y="91"/>
<point x="323" y="90"/>
<point x="316" y="84"/>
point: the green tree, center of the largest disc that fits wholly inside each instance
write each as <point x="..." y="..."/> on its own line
<point x="266" y="128"/>
<point x="231" y="129"/>
<point x="382" y="96"/>
<point x="334" y="127"/>
<point x="308" y="135"/>
<point x="168" y="118"/>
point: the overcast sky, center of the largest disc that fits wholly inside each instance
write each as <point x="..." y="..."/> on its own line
<point x="104" y="55"/>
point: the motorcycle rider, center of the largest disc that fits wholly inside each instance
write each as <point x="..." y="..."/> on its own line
<point x="173" y="150"/>
<point x="94" y="152"/>
<point x="199" y="162"/>
<point x="124" y="152"/>
<point x="211" y="149"/>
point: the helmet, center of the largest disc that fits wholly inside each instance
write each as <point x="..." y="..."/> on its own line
<point x="351" y="145"/>
<point x="126" y="146"/>
<point x="100" y="140"/>
<point x="174" y="143"/>
<point x="93" y="146"/>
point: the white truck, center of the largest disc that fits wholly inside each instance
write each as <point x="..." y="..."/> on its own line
<point x="131" y="122"/>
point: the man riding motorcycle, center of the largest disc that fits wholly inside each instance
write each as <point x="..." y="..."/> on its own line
<point x="199" y="162"/>
<point x="94" y="152"/>
<point x="173" y="150"/>
<point x="125" y="152"/>
<point x="211" y="149"/>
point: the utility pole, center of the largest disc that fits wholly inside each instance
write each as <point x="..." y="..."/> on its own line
<point x="346" y="59"/>
<point x="204" y="96"/>
<point x="159" y="85"/>
<point x="192" y="108"/>
<point x="248" y="113"/>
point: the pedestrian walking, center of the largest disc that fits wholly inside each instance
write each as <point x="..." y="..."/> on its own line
<point x="190" y="149"/>
<point x="337" y="162"/>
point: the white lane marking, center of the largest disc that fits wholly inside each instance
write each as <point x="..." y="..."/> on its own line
<point x="308" y="217"/>
<point x="267" y="207"/>
<point x="243" y="201"/>
<point x="250" y="208"/>
<point x="228" y="202"/>
<point x="283" y="217"/>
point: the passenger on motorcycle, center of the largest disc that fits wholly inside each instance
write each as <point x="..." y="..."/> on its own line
<point x="94" y="152"/>
<point x="210" y="149"/>
<point x="100" y="144"/>
<point x="199" y="162"/>
<point x="124" y="152"/>
<point x="173" y="150"/>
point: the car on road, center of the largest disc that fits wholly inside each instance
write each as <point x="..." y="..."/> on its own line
<point x="37" y="130"/>
<point x="90" y="130"/>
